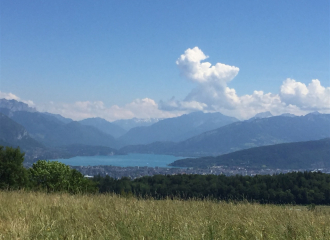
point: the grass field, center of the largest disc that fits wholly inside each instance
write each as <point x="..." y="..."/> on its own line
<point x="31" y="215"/>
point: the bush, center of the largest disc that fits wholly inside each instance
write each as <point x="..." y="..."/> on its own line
<point x="54" y="176"/>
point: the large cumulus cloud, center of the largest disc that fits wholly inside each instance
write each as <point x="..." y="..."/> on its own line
<point x="213" y="93"/>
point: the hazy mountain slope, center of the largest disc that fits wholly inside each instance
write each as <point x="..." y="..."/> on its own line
<point x="37" y="124"/>
<point x="247" y="134"/>
<point x="285" y="156"/>
<point x="177" y="129"/>
<point x="104" y="126"/>
<point x="59" y="117"/>
<point x="76" y="133"/>
<point x="13" y="134"/>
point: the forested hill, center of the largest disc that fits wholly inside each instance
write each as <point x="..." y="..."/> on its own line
<point x="284" y="156"/>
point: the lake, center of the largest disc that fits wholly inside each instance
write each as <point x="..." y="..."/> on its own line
<point x="129" y="160"/>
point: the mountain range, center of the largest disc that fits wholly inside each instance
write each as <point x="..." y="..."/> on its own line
<point x="13" y="134"/>
<point x="104" y="126"/>
<point x="128" y="124"/>
<point x="243" y="135"/>
<point x="53" y="132"/>
<point x="177" y="129"/>
<point x="195" y="134"/>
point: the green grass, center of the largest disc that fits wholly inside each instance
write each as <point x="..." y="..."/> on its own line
<point x="35" y="215"/>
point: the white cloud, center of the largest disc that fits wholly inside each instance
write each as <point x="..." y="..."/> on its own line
<point x="213" y="94"/>
<point x="11" y="96"/>
<point x="203" y="72"/>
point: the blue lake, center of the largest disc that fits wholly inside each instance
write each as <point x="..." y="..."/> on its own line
<point x="129" y="160"/>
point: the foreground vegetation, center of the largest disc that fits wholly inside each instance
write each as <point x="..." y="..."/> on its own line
<point x="59" y="203"/>
<point x="36" y="215"/>
<point x="290" y="188"/>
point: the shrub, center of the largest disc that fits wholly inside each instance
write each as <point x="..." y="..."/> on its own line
<point x="54" y="176"/>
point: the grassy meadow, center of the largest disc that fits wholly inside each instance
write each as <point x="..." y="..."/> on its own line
<point x="36" y="215"/>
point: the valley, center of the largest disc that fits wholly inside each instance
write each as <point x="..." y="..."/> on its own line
<point x="277" y="143"/>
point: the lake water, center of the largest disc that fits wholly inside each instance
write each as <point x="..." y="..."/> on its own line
<point x="129" y="160"/>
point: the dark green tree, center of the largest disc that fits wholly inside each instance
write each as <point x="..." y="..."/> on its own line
<point x="12" y="173"/>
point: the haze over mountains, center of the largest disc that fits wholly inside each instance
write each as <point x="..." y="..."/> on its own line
<point x="194" y="134"/>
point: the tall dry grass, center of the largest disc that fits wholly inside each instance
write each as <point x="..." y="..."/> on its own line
<point x="35" y="215"/>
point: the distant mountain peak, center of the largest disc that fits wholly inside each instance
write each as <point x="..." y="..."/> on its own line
<point x="104" y="126"/>
<point x="314" y="113"/>
<point x="261" y="115"/>
<point x="288" y="115"/>
<point x="15" y="106"/>
<point x="128" y="124"/>
<point x="177" y="128"/>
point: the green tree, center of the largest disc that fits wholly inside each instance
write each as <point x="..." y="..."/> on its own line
<point x="56" y="176"/>
<point x="12" y="173"/>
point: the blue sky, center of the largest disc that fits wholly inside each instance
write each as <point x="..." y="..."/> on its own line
<point x="89" y="58"/>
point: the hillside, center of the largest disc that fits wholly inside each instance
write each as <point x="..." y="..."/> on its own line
<point x="53" y="132"/>
<point x="246" y="134"/>
<point x="177" y="129"/>
<point x="75" y="133"/>
<point x="298" y="155"/>
<point x="13" y="134"/>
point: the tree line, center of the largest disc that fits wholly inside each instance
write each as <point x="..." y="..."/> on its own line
<point x="290" y="188"/>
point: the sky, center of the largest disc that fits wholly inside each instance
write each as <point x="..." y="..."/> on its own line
<point x="160" y="59"/>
